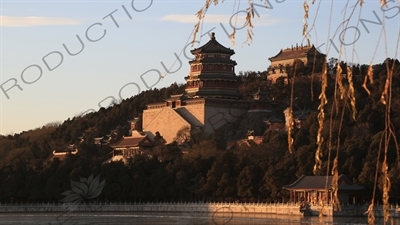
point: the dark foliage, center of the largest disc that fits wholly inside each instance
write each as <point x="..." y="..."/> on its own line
<point x="207" y="171"/>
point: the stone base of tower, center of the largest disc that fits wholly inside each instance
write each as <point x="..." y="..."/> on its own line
<point x="203" y="116"/>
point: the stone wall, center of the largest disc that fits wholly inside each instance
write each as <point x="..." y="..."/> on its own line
<point x="287" y="61"/>
<point x="206" y="208"/>
<point x="212" y="116"/>
<point x="283" y="209"/>
<point x="164" y="120"/>
<point x="216" y="116"/>
<point x="193" y="113"/>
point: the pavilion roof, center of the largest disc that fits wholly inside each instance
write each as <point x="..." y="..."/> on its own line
<point x="319" y="182"/>
<point x="257" y="140"/>
<point x="260" y="91"/>
<point x="175" y="97"/>
<point x="260" y="96"/>
<point x="213" y="46"/>
<point x="127" y="142"/>
<point x="274" y="119"/>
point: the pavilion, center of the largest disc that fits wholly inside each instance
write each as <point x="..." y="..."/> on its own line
<point x="131" y="145"/>
<point x="314" y="189"/>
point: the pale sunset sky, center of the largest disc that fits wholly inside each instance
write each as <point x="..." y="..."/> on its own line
<point x="47" y="76"/>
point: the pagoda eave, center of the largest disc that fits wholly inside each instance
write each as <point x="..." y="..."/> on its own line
<point x="215" y="60"/>
<point x="224" y="51"/>
<point x="212" y="76"/>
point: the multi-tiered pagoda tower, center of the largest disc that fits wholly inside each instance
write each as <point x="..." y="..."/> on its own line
<point x="212" y="72"/>
<point x="211" y="97"/>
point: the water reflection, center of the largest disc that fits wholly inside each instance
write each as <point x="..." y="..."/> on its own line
<point x="197" y="218"/>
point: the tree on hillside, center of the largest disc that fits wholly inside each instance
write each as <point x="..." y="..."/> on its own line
<point x="184" y="137"/>
<point x="248" y="182"/>
<point x="297" y="69"/>
<point x="159" y="140"/>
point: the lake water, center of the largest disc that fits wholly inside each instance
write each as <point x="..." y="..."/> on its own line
<point x="139" y="218"/>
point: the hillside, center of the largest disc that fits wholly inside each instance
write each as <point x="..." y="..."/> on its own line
<point x="208" y="171"/>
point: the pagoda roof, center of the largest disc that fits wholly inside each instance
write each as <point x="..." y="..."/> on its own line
<point x="212" y="46"/>
<point x="211" y="76"/>
<point x="214" y="60"/>
<point x="319" y="182"/>
<point x="216" y="76"/>
<point x="295" y="52"/>
<point x="219" y="93"/>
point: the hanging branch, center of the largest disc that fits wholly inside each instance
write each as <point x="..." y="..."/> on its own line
<point x="386" y="98"/>
<point x="200" y="16"/>
<point x="249" y="24"/>
<point x="370" y="211"/>
<point x="367" y="78"/>
<point x="321" y="118"/>
<point x="351" y="92"/>
<point x="306" y="8"/>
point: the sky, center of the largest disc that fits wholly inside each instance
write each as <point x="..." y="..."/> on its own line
<point x="61" y="59"/>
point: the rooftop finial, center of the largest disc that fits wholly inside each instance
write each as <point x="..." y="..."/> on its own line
<point x="212" y="36"/>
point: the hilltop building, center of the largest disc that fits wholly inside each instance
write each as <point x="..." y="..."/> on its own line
<point x="260" y="101"/>
<point x="275" y="124"/>
<point x="307" y="54"/>
<point x="298" y="117"/>
<point x="211" y="97"/>
<point x="61" y="153"/>
<point x="251" y="138"/>
<point x="105" y="140"/>
<point x="131" y="145"/>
